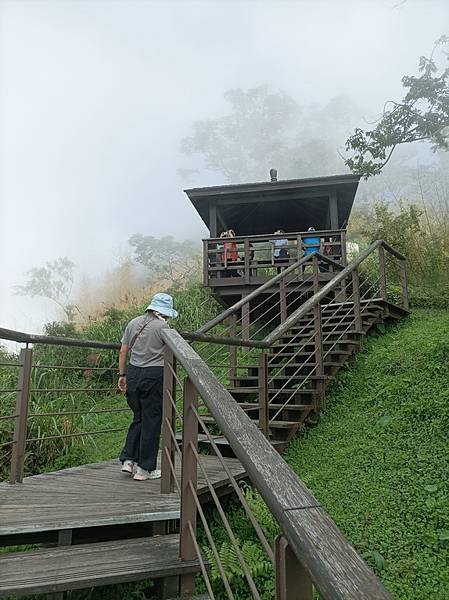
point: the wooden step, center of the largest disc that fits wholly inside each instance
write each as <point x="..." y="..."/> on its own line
<point x="208" y="419"/>
<point x="90" y="565"/>
<point x="296" y="364"/>
<point x="276" y="377"/>
<point x="247" y="406"/>
<point x="271" y="391"/>
<point x="327" y="320"/>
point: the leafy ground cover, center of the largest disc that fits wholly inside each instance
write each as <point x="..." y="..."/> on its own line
<point x="379" y="459"/>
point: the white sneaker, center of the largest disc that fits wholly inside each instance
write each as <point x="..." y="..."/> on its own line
<point x="128" y="467"/>
<point x="142" y="474"/>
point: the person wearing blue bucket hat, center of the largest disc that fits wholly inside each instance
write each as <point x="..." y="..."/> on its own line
<point x="142" y="381"/>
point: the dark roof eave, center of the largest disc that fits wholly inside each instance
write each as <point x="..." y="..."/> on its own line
<point x="221" y="190"/>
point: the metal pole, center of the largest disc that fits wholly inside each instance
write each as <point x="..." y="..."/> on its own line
<point x="20" y="427"/>
<point x="188" y="475"/>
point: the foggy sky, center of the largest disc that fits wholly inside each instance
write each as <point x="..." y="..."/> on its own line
<point x="95" y="97"/>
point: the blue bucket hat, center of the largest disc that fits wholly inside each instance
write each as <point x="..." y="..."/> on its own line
<point x="163" y="304"/>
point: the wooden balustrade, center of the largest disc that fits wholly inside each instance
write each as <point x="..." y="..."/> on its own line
<point x="310" y="552"/>
<point x="257" y="261"/>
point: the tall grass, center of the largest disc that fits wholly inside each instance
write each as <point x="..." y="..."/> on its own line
<point x="95" y="370"/>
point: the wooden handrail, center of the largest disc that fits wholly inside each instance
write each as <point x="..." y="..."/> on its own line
<point x="257" y="292"/>
<point x="335" y="568"/>
<point x="268" y="236"/>
<point x="200" y="334"/>
<point x="53" y="340"/>
<point x="322" y="293"/>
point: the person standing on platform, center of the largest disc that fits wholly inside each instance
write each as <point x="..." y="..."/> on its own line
<point x="142" y="381"/>
<point x="280" y="249"/>
<point x="229" y="254"/>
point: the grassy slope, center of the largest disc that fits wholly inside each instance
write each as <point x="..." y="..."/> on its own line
<point x="378" y="461"/>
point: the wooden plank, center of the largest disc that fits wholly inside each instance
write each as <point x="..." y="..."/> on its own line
<point x="95" y="495"/>
<point x="90" y="565"/>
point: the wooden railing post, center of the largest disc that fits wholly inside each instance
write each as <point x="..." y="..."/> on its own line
<point x="382" y="274"/>
<point x="245" y="321"/>
<point x="318" y="329"/>
<point x="247" y="252"/>
<point x="282" y="300"/>
<point x="263" y="393"/>
<point x="20" y="426"/>
<point x="356" y="301"/>
<point x="403" y="276"/>
<point x="168" y="423"/>
<point x="206" y="263"/>
<point x="189" y="480"/>
<point x="292" y="581"/>
<point x="233" y="349"/>
<point x="343" y="248"/>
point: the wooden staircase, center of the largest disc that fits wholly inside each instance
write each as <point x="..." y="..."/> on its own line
<point x="295" y="391"/>
<point x="97" y="530"/>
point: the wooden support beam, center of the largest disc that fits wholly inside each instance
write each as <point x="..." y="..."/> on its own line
<point x="333" y="209"/>
<point x="213" y="228"/>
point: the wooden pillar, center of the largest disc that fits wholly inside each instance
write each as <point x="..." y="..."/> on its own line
<point x="20" y="426"/>
<point x="263" y="393"/>
<point x="232" y="348"/>
<point x="247" y="251"/>
<point x="382" y="274"/>
<point x="282" y="300"/>
<point x="168" y="421"/>
<point x="356" y="300"/>
<point x="403" y="276"/>
<point x="189" y="475"/>
<point x="343" y="259"/>
<point x="245" y="320"/>
<point x="213" y="226"/>
<point x="292" y="580"/>
<point x="333" y="209"/>
<point x="206" y="259"/>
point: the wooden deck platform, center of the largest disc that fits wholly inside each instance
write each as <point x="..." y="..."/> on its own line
<point x="93" y="496"/>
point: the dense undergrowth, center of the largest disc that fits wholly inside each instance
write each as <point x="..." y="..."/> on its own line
<point x="96" y="377"/>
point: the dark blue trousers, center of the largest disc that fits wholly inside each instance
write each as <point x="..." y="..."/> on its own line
<point x="144" y="396"/>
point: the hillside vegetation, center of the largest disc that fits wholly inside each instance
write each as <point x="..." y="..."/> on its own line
<point x="379" y="459"/>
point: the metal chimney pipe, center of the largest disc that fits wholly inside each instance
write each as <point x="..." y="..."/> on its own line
<point x="273" y="175"/>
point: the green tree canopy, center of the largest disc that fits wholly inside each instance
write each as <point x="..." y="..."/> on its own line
<point x="422" y="115"/>
<point x="164" y="257"/>
<point x="266" y="128"/>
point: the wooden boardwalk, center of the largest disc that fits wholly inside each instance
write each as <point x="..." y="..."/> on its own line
<point x="94" y="496"/>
